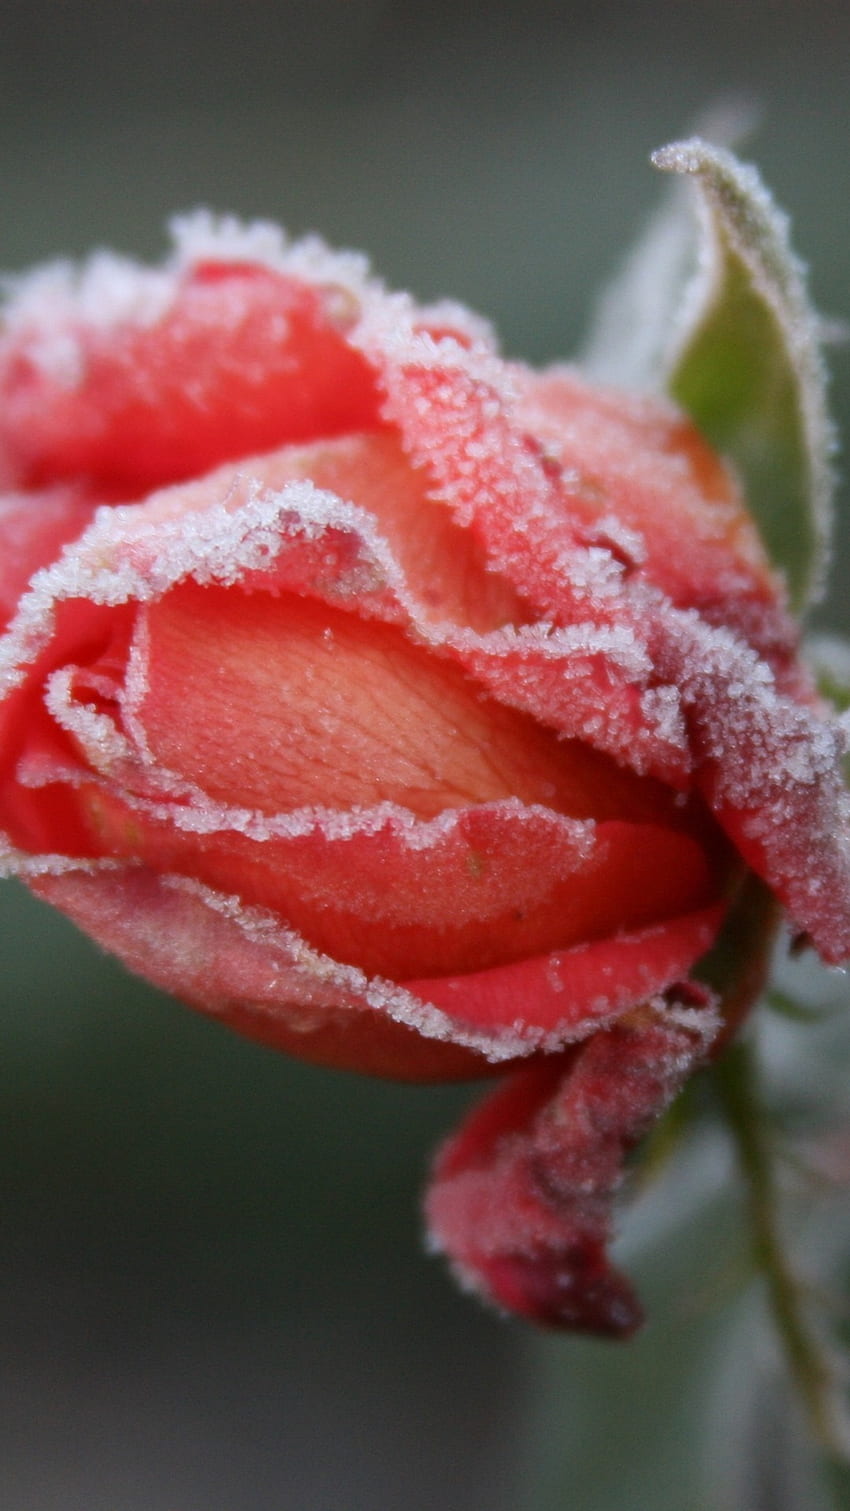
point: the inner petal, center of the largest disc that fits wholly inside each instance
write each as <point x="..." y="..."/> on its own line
<point x="280" y="703"/>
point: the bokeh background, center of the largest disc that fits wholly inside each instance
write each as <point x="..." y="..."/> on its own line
<point x="212" y="1288"/>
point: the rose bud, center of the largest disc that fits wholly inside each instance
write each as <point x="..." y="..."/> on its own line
<point x="404" y="708"/>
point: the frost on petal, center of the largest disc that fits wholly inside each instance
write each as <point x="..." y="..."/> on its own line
<point x="771" y="769"/>
<point x="521" y="1197"/>
<point x="34" y="528"/>
<point x="298" y="537"/>
<point x="475" y="888"/>
<point x="550" y="1000"/>
<point x="346" y="711"/>
<point x="236" y="359"/>
<point x="242" y="966"/>
<point x="456" y="412"/>
<point x="590" y="684"/>
<point x="79" y="612"/>
<point x="39" y="765"/>
<point x="445" y="571"/>
<point x="170" y="566"/>
<point x="638" y="467"/>
<point x="343" y="711"/>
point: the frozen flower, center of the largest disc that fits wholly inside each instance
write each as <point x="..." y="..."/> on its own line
<point x="407" y="709"/>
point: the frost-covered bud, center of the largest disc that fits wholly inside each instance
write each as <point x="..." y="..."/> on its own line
<point x="407" y="709"/>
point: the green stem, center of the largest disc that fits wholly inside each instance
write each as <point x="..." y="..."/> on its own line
<point x="736" y="1076"/>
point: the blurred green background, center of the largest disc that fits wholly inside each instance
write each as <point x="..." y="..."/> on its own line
<point x="212" y="1289"/>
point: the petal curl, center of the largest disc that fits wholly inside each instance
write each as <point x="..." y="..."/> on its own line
<point x="521" y="1197"/>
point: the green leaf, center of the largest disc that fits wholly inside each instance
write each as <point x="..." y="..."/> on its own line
<point x="744" y="362"/>
<point x="628" y="341"/>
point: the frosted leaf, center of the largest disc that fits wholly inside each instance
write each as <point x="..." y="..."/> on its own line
<point x="629" y="335"/>
<point x="716" y="312"/>
<point x="744" y="361"/>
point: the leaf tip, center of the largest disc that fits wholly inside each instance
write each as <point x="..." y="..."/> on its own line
<point x="686" y="156"/>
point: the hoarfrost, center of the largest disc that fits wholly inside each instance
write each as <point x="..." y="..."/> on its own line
<point x="52" y="306"/>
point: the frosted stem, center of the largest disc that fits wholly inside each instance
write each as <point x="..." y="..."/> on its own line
<point x="809" y="1360"/>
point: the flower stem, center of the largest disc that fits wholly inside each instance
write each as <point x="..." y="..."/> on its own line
<point x="808" y="1358"/>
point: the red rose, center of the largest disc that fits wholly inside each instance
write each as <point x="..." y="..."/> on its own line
<point x="405" y="708"/>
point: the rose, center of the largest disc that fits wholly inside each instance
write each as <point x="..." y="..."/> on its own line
<point x="407" y="709"/>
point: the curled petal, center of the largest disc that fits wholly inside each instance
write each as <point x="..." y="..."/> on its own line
<point x="521" y="1197"/>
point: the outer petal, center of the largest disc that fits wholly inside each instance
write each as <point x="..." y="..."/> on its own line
<point x="771" y="769"/>
<point x="569" y="992"/>
<point x="521" y="1197"/>
<point x="219" y="362"/>
<point x="242" y="965"/>
<point x="455" y="409"/>
<point x="136" y="377"/>
<point x="641" y="464"/>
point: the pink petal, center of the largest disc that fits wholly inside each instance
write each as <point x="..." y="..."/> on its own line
<point x="771" y="769"/>
<point x="521" y="1197"/>
<point x="569" y="992"/>
<point x="242" y="966"/>
<point x="640" y="464"/>
<point x="239" y="360"/>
